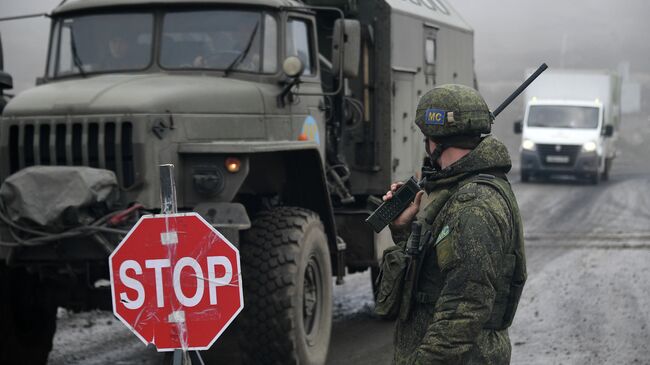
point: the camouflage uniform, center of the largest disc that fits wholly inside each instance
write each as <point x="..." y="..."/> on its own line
<point x="465" y="273"/>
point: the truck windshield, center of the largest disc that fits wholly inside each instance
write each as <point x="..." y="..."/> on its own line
<point x="219" y="40"/>
<point x="563" y="116"/>
<point x="101" y="43"/>
<point x="227" y="40"/>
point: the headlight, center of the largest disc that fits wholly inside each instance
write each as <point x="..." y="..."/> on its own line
<point x="589" y="147"/>
<point x="527" y="144"/>
<point x="208" y="180"/>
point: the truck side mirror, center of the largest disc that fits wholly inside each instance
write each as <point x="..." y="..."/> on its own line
<point x="609" y="130"/>
<point x="518" y="127"/>
<point x="351" y="47"/>
<point x="6" y="81"/>
<point x="293" y="66"/>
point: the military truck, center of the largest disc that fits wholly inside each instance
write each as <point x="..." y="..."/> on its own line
<point x="285" y="120"/>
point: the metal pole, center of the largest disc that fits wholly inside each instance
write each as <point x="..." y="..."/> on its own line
<point x="521" y="88"/>
<point x="167" y="190"/>
<point x="168" y="206"/>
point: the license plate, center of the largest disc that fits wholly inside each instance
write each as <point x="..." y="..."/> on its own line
<point x="557" y="159"/>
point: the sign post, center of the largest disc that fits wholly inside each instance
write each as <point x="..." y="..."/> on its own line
<point x="175" y="280"/>
<point x="168" y="205"/>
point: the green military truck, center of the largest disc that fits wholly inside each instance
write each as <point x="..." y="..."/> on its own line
<point x="285" y="121"/>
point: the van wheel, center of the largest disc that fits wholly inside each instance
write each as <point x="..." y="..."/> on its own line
<point x="27" y="317"/>
<point x="287" y="277"/>
<point x="608" y="166"/>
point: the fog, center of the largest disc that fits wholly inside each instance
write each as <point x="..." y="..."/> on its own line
<point x="25" y="41"/>
<point x="510" y="36"/>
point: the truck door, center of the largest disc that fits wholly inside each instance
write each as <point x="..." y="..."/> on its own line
<point x="404" y="139"/>
<point x="306" y="110"/>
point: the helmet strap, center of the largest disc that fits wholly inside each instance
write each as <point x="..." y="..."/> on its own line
<point x="436" y="153"/>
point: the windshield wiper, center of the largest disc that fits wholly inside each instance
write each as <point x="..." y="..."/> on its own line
<point x="75" y="55"/>
<point x="243" y="54"/>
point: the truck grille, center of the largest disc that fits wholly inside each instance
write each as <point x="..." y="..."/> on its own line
<point x="107" y="145"/>
<point x="552" y="154"/>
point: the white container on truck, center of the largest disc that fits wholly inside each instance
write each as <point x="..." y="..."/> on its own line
<point x="570" y="124"/>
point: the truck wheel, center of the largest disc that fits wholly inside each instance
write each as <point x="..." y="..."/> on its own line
<point x="287" y="277"/>
<point x="594" y="179"/>
<point x="27" y="317"/>
<point x="525" y="176"/>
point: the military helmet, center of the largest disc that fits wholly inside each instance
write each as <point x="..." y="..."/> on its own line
<point x="453" y="111"/>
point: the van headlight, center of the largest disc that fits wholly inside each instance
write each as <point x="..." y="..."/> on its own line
<point x="589" y="146"/>
<point x="528" y="145"/>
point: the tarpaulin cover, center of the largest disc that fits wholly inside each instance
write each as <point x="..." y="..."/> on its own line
<point x="57" y="197"/>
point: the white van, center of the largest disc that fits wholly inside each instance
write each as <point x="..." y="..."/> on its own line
<point x="570" y="124"/>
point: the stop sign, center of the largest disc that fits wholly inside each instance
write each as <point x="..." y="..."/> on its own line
<point x="176" y="282"/>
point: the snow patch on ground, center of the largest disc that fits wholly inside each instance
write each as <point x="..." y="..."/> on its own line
<point x="354" y="298"/>
<point x="97" y="338"/>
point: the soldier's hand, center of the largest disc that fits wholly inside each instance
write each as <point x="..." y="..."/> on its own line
<point x="409" y="213"/>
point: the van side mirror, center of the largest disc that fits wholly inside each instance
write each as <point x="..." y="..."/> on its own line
<point x="608" y="131"/>
<point x="518" y="126"/>
<point x="351" y="47"/>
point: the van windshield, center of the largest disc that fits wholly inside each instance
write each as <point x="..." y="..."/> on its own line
<point x="101" y="43"/>
<point x="563" y="116"/>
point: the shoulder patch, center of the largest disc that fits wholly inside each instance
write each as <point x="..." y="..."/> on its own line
<point x="443" y="233"/>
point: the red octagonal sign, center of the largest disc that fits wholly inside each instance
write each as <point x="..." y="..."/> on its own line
<point x="176" y="282"/>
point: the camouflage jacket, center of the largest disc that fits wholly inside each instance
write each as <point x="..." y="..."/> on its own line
<point x="465" y="272"/>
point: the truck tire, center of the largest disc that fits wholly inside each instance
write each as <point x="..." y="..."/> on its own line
<point x="525" y="176"/>
<point x="287" y="277"/>
<point x="27" y="317"/>
<point x="594" y="179"/>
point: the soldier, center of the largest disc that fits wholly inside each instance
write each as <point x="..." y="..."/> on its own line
<point x="471" y="265"/>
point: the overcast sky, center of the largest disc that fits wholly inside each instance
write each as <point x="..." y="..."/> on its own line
<point x="573" y="34"/>
<point x="510" y="36"/>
